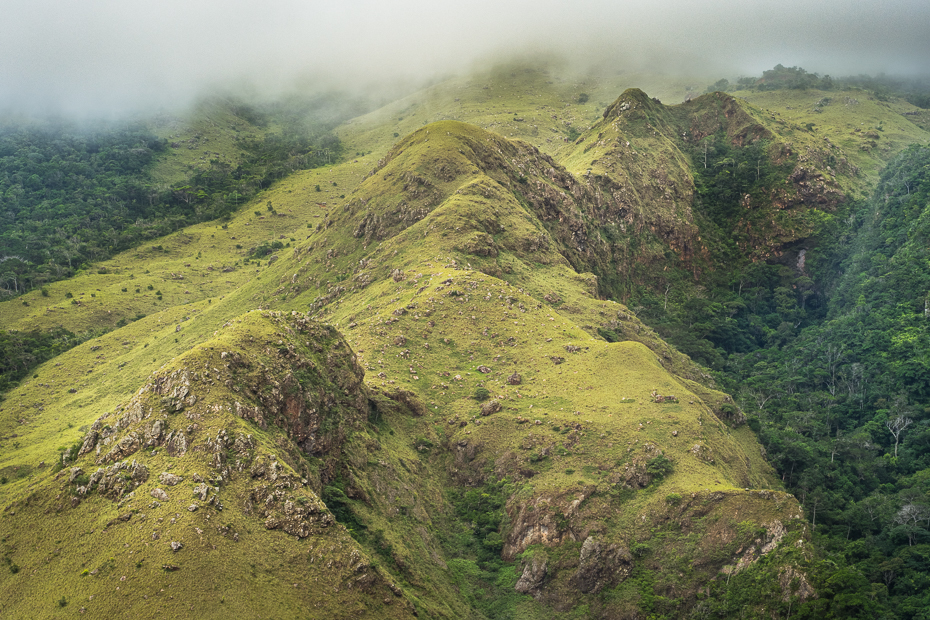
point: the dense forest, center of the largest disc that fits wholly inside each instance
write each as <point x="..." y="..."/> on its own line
<point x="831" y="363"/>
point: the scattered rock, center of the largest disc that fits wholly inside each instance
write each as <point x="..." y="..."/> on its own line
<point x="483" y="369"/>
<point x="515" y="379"/>
<point x="176" y="546"/>
<point x="159" y="494"/>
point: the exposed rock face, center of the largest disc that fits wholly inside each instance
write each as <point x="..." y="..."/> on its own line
<point x="315" y="393"/>
<point x="534" y="574"/>
<point x="601" y="565"/>
<point x="116" y="480"/>
<point x="535" y="523"/>
<point x="284" y="502"/>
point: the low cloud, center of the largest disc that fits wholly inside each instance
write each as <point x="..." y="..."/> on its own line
<point x="106" y="56"/>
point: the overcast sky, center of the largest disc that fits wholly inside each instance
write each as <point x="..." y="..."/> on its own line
<point x="92" y="56"/>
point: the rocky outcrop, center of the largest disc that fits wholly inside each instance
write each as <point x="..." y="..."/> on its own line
<point x="534" y="574"/>
<point x="114" y="481"/>
<point x="601" y="565"/>
<point x="538" y="522"/>
<point x="284" y="501"/>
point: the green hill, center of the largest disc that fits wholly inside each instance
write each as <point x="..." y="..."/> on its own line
<point x="409" y="377"/>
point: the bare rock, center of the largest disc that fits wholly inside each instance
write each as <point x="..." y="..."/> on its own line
<point x="534" y="573"/>
<point x="169" y="479"/>
<point x="201" y="491"/>
<point x="160" y="495"/>
<point x="601" y="565"/>
<point x="515" y="379"/>
<point x="483" y="369"/>
<point x="492" y="406"/>
<point x="176" y="546"/>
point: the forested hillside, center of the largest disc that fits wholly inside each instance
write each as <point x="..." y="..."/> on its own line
<point x="842" y="408"/>
<point x="74" y="194"/>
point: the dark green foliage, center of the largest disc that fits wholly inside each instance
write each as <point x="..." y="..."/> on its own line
<point x="422" y="444"/>
<point x="482" y="507"/>
<point x="722" y="85"/>
<point x="484" y="579"/>
<point x="335" y="498"/>
<point x="481" y="394"/>
<point x="781" y="77"/>
<point x="821" y="397"/>
<point x="742" y="305"/>
<point x="20" y="352"/>
<point x="70" y="195"/>
<point x="265" y="248"/>
<point x="660" y="466"/>
<point x="915" y="90"/>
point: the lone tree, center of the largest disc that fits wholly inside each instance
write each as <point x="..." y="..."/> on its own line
<point x="896" y="426"/>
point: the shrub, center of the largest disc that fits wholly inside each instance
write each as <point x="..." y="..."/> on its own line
<point x="659" y="467"/>
<point x="481" y="394"/>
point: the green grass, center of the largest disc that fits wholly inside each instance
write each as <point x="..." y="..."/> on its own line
<point x="447" y="203"/>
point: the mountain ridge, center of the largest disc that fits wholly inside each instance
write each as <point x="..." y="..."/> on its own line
<point x="461" y="261"/>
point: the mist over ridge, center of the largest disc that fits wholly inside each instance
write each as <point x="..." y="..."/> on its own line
<point x="106" y="57"/>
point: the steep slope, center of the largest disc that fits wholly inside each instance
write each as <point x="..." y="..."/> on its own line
<point x="444" y="270"/>
<point x="175" y="496"/>
<point x="448" y="269"/>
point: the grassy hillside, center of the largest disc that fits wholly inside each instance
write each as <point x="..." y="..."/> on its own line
<point x="445" y="279"/>
<point x="494" y="437"/>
